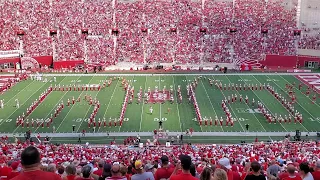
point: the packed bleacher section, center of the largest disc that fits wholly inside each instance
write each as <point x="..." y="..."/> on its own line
<point x="145" y="30"/>
<point x="236" y="158"/>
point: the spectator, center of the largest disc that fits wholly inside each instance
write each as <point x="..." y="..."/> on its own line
<point x="305" y="171"/>
<point x="225" y="165"/>
<point x="246" y="170"/>
<point x="206" y="174"/>
<point x="123" y="170"/>
<point x="255" y="173"/>
<point x="87" y="173"/>
<point x="316" y="173"/>
<point x="100" y="168"/>
<point x="6" y="169"/>
<point x="115" y="173"/>
<point x="30" y="161"/>
<point x="220" y="174"/>
<point x="129" y="172"/>
<point x="52" y="168"/>
<point x="14" y="171"/>
<point x="273" y="169"/>
<point x="106" y="171"/>
<point x="60" y="170"/>
<point x="71" y="172"/>
<point x="291" y="173"/>
<point x="165" y="171"/>
<point x="185" y="164"/>
<point x="141" y="174"/>
<point x="150" y="168"/>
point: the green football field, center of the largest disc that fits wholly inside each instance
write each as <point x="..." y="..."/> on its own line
<point x="137" y="116"/>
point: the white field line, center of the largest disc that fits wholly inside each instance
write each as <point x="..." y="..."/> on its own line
<point x="56" y="105"/>
<point x="23" y="103"/>
<point x="297" y="103"/>
<point x="210" y="101"/>
<point x="17" y="93"/>
<point x="145" y="85"/>
<point x="174" y="88"/>
<point x="263" y="102"/>
<point x="71" y="110"/>
<point x="249" y="107"/>
<point x="192" y="106"/>
<point x="114" y="90"/>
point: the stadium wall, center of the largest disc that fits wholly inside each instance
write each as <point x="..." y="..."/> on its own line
<point x="282" y="61"/>
<point x="303" y="59"/>
<point x="44" y="60"/>
<point x="67" y="64"/>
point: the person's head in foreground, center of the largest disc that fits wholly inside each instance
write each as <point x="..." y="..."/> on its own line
<point x="304" y="169"/>
<point x="185" y="163"/>
<point x="225" y="164"/>
<point x="220" y="174"/>
<point x="138" y="166"/>
<point x="30" y="158"/>
<point x="115" y="170"/>
<point x="206" y="174"/>
<point x="86" y="171"/>
<point x="255" y="167"/>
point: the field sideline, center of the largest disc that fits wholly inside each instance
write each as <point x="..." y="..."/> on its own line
<point x="137" y="116"/>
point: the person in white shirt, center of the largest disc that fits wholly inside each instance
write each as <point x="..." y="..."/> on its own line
<point x="304" y="171"/>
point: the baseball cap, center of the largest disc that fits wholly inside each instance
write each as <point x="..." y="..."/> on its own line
<point x="225" y="162"/>
<point x="138" y="164"/>
<point x="15" y="165"/>
<point x="148" y="167"/>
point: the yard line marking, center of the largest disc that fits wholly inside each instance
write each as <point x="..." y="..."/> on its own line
<point x="71" y="110"/>
<point x="88" y="109"/>
<point x="297" y="103"/>
<point x="125" y="96"/>
<point x="114" y="90"/>
<point x="248" y="107"/>
<point x="192" y="105"/>
<point x="145" y="85"/>
<point x="299" y="89"/>
<point x="56" y="105"/>
<point x="210" y="101"/>
<point x="18" y="93"/>
<point x="24" y="102"/>
<point x="263" y="102"/>
<point x="174" y="88"/>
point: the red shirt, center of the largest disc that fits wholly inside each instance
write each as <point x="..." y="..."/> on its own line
<point x="37" y="175"/>
<point x="163" y="173"/>
<point x="283" y="175"/>
<point x="5" y="171"/>
<point x="98" y="172"/>
<point x="183" y="176"/>
<point x="293" y="178"/>
<point x="316" y="175"/>
<point x="13" y="174"/>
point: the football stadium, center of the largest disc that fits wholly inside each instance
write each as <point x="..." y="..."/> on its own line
<point x="154" y="89"/>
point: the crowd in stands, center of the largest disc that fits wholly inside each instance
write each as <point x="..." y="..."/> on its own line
<point x="145" y="30"/>
<point x="282" y="160"/>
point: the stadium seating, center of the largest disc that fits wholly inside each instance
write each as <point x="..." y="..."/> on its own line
<point x="294" y="152"/>
<point x="180" y="31"/>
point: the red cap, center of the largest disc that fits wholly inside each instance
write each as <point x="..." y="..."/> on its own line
<point x="15" y="165"/>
